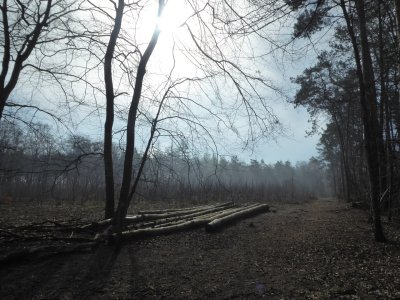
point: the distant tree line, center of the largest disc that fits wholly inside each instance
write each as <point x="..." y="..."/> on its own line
<point x="37" y="167"/>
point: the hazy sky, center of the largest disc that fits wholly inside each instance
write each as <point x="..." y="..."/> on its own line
<point x="294" y="146"/>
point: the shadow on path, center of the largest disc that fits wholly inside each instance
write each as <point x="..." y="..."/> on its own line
<point x="98" y="272"/>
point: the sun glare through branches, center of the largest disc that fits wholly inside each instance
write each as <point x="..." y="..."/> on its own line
<point x="174" y="15"/>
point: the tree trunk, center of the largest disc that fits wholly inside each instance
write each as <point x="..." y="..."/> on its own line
<point x="372" y="134"/>
<point x="124" y="199"/>
<point x="108" y="126"/>
<point x="3" y="100"/>
<point x="369" y="111"/>
<point x="397" y="8"/>
<point x="344" y="166"/>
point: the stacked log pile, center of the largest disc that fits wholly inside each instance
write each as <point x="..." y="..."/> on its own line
<point x="213" y="218"/>
<point x="49" y="238"/>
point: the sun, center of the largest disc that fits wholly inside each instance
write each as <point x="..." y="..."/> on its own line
<point x="175" y="13"/>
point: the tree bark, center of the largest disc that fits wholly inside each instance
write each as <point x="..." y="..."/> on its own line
<point x="124" y="199"/>
<point x="108" y="126"/>
<point x="368" y="105"/>
<point x="372" y="134"/>
<point x="397" y="8"/>
<point x="344" y="166"/>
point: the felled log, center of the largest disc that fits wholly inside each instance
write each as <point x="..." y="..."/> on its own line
<point x="210" y="216"/>
<point x="220" y="222"/>
<point x="195" y="223"/>
<point x="180" y="225"/>
<point x="153" y="216"/>
<point x="172" y="210"/>
<point x="97" y="226"/>
<point x="207" y="216"/>
<point x="141" y="217"/>
<point x="187" y="216"/>
<point x="186" y="209"/>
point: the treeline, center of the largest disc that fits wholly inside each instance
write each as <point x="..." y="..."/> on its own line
<point x="355" y="82"/>
<point x="37" y="167"/>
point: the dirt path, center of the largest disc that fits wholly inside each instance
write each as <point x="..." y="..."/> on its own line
<point x="318" y="250"/>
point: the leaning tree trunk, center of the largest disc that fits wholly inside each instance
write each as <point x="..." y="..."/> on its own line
<point x="125" y="192"/>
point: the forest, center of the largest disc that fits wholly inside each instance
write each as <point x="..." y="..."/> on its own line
<point x="122" y="125"/>
<point x="73" y="173"/>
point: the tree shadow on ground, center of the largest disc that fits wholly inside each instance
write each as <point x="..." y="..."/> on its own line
<point x="98" y="272"/>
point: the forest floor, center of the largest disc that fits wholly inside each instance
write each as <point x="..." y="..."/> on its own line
<point x="317" y="250"/>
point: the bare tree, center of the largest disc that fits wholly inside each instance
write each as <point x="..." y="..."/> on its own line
<point x="211" y="47"/>
<point x="28" y="28"/>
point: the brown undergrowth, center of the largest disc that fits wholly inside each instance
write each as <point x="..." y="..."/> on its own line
<point x="317" y="250"/>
